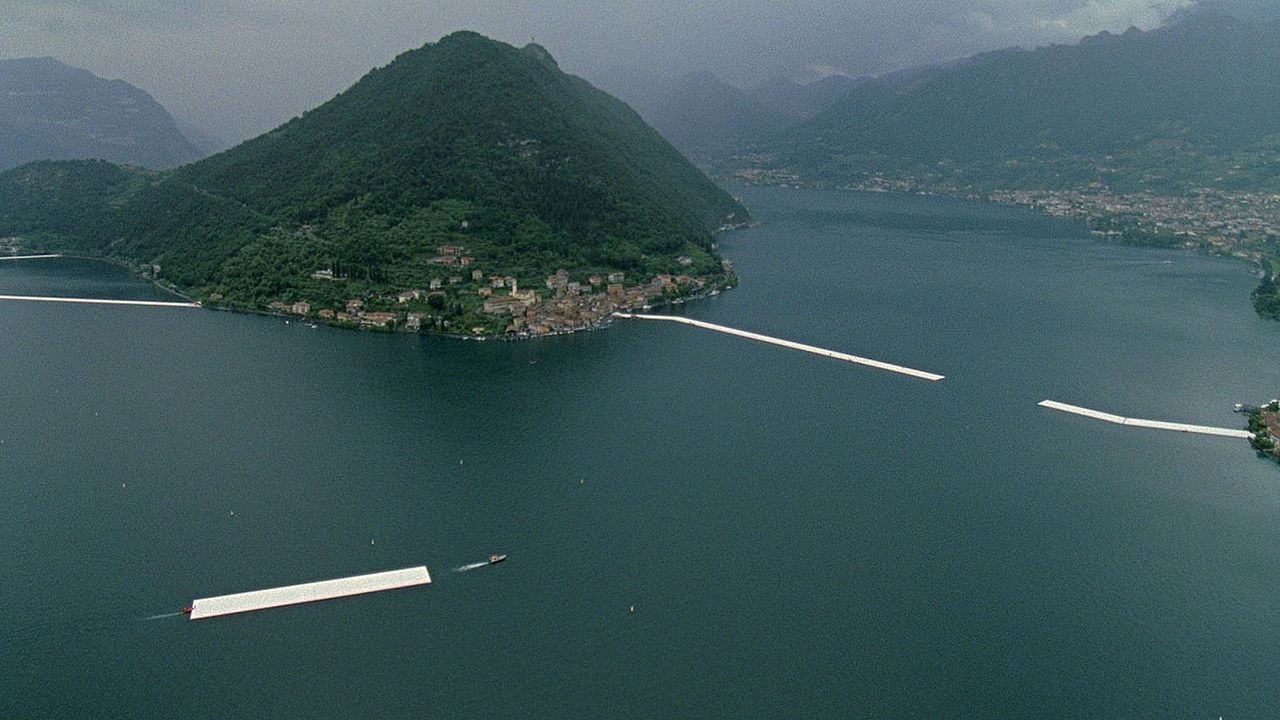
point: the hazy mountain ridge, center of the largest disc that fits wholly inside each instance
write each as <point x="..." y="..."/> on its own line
<point x="697" y="112"/>
<point x="1190" y="104"/>
<point x="51" y="110"/>
<point x="707" y="117"/>
<point x="802" y="101"/>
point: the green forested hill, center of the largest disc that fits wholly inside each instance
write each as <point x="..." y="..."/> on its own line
<point x="467" y="141"/>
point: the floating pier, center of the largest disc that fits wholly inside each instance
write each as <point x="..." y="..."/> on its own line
<point x="1153" y="424"/>
<point x="789" y="344"/>
<point x="100" y="301"/>
<point x="28" y="257"/>
<point x="308" y="592"/>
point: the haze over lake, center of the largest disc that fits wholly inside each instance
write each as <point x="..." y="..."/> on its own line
<point x="798" y="537"/>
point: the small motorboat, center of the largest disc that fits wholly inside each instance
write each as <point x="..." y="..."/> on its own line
<point x="495" y="559"/>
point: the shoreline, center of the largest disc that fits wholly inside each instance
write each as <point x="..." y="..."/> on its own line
<point x="1122" y="220"/>
<point x="605" y="321"/>
<point x="131" y="269"/>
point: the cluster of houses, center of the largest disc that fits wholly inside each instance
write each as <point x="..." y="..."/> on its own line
<point x="1270" y="415"/>
<point x="452" y="255"/>
<point x="564" y="306"/>
<point x="1229" y="222"/>
<point x="582" y="307"/>
<point x="355" y="313"/>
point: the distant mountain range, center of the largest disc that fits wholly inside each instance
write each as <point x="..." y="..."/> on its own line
<point x="801" y="101"/>
<point x="466" y="143"/>
<point x="1192" y="104"/>
<point x="52" y="111"/>
<point x="706" y="117"/>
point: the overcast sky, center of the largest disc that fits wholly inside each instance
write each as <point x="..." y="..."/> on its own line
<point x="240" y="67"/>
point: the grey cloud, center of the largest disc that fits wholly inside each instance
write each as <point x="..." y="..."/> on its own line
<point x="134" y="15"/>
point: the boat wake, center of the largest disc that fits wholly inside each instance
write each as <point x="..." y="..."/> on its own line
<point x="162" y="616"/>
<point x="472" y="566"/>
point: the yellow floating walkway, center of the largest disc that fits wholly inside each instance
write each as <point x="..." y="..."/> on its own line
<point x="788" y="344"/>
<point x="308" y="592"/>
<point x="1153" y="424"/>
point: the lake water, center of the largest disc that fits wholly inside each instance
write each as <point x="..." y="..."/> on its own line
<point x="798" y="537"/>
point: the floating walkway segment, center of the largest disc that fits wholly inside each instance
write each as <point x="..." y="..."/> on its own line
<point x="788" y="344"/>
<point x="1153" y="424"/>
<point x="100" y="301"/>
<point x="28" y="257"/>
<point x="308" y="592"/>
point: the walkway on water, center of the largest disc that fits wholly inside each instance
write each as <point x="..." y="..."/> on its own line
<point x="1154" y="424"/>
<point x="100" y="301"/>
<point x="28" y="257"/>
<point x="308" y="592"/>
<point x="788" y="344"/>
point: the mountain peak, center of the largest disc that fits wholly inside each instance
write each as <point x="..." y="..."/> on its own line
<point x="540" y="53"/>
<point x="464" y="37"/>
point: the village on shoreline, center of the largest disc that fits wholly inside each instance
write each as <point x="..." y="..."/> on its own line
<point x="464" y="301"/>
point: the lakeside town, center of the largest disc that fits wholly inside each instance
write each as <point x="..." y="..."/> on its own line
<point x="1245" y="225"/>
<point x="465" y="300"/>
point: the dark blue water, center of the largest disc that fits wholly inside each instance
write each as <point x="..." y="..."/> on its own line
<point x="798" y="537"/>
